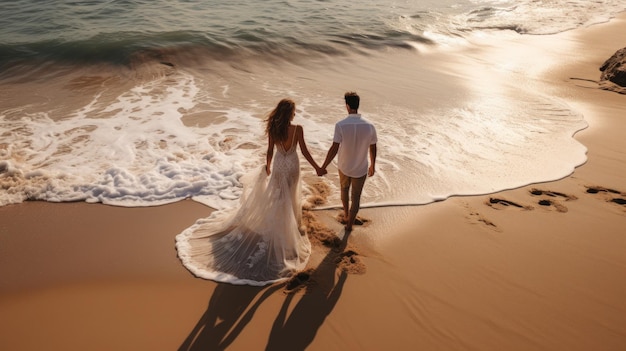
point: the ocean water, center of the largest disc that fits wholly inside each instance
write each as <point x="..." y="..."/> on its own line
<point x="142" y="103"/>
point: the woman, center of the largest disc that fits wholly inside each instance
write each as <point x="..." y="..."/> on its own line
<point x="261" y="242"/>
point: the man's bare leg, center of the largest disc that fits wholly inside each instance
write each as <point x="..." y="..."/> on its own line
<point x="355" y="197"/>
<point x="344" y="185"/>
<point x="346" y="207"/>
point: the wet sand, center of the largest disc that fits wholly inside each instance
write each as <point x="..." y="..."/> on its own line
<point x="540" y="267"/>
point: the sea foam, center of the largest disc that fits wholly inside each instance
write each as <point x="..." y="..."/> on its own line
<point x="133" y="151"/>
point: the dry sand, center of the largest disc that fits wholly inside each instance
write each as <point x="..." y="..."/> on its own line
<point x="541" y="267"/>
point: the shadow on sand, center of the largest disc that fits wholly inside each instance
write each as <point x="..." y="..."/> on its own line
<point x="229" y="309"/>
<point x="226" y="316"/>
<point x="297" y="330"/>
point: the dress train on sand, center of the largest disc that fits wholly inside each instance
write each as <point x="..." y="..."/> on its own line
<point x="260" y="242"/>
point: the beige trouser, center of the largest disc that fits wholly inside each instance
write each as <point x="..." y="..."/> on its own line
<point x="351" y="189"/>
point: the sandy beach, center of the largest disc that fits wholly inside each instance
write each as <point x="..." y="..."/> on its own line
<point x="540" y="267"/>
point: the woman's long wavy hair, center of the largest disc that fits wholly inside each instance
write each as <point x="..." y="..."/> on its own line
<point x="279" y="119"/>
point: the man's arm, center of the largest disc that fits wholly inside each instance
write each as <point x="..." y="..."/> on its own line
<point x="332" y="152"/>
<point x="372" y="169"/>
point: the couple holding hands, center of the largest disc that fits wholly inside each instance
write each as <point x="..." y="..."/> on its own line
<point x="263" y="240"/>
<point x="354" y="136"/>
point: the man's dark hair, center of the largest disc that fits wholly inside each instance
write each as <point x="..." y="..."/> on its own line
<point x="352" y="99"/>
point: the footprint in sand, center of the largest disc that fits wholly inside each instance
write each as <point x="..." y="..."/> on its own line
<point x="357" y="221"/>
<point x="499" y="204"/>
<point x="609" y="195"/>
<point x="599" y="189"/>
<point x="349" y="262"/>
<point x="549" y="193"/>
<point x="340" y="255"/>
<point x="298" y="281"/>
<point x="478" y="218"/>
<point x="552" y="202"/>
<point x="619" y="201"/>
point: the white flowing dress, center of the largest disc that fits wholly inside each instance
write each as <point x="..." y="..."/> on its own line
<point x="259" y="243"/>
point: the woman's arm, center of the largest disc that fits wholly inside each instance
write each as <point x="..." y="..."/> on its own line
<point x="303" y="148"/>
<point x="270" y="155"/>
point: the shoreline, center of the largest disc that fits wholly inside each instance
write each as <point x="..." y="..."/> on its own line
<point x="471" y="272"/>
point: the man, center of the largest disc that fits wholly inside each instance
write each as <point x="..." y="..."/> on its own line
<point x="354" y="137"/>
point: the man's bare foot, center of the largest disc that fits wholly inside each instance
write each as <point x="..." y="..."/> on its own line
<point x="341" y="218"/>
